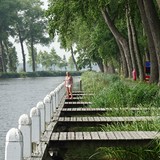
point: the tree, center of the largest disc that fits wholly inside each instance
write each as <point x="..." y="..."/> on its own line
<point x="50" y="60"/>
<point x="71" y="64"/>
<point x="7" y="15"/>
<point x="68" y="18"/>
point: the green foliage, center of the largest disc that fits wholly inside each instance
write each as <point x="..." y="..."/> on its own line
<point x="113" y="92"/>
<point x="50" y="60"/>
<point x="38" y="74"/>
<point x="118" y="94"/>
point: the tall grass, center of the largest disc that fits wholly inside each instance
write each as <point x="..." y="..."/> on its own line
<point x="110" y="91"/>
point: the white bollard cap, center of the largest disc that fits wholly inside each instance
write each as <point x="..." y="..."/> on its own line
<point x="40" y="105"/>
<point x="47" y="99"/>
<point x="14" y="135"/>
<point x="34" y="112"/>
<point x="24" y="120"/>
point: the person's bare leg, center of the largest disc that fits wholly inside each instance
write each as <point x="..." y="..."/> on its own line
<point x="70" y="91"/>
<point x="67" y="91"/>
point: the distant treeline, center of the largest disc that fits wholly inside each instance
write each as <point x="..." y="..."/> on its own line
<point x="38" y="74"/>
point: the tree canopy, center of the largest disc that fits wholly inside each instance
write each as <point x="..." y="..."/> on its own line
<point x="117" y="34"/>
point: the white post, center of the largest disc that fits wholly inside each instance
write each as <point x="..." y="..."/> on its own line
<point x="62" y="91"/>
<point x="14" y="145"/>
<point x="47" y="103"/>
<point x="25" y="127"/>
<point x="36" y="126"/>
<point x="36" y="130"/>
<point x="41" y="107"/>
<point x="53" y="94"/>
<point x="57" y="97"/>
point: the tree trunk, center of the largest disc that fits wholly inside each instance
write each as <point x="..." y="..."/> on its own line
<point x="105" y="66"/>
<point x="153" y="57"/>
<point x="100" y="65"/>
<point x="4" y="69"/>
<point x="1" y="60"/>
<point x="111" y="67"/>
<point x="22" y="49"/>
<point x="158" y="2"/>
<point x="74" y="61"/>
<point x="154" y="24"/>
<point x="122" y="41"/>
<point x="136" y="51"/>
<point x="130" y="39"/>
<point x="123" y="59"/>
<point x="33" y="55"/>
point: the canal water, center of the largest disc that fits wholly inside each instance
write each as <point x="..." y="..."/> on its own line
<point x="18" y="96"/>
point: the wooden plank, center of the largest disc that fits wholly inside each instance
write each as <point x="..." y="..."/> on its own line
<point x="79" y="119"/>
<point x="151" y="134"/>
<point x="70" y="136"/>
<point x="126" y="135"/>
<point x="115" y="135"/>
<point x="79" y="135"/>
<point x="111" y="136"/>
<point x="135" y="135"/>
<point x="102" y="135"/>
<point x="73" y="119"/>
<point x="97" y="119"/>
<point x="95" y="136"/>
<point x="85" y="119"/>
<point x="63" y="136"/>
<point x="55" y="136"/>
<point x="119" y="135"/>
<point x="67" y="118"/>
<point x="86" y="135"/>
<point x="90" y="119"/>
<point x="142" y="135"/>
<point x="102" y="118"/>
<point x="109" y="109"/>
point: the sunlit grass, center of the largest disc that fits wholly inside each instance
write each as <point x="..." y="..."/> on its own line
<point x="120" y="95"/>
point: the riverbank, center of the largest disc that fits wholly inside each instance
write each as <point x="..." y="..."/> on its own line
<point x="38" y="74"/>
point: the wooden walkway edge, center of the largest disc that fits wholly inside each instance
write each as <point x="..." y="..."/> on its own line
<point x="78" y="114"/>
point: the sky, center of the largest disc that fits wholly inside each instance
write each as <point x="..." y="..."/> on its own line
<point x="55" y="45"/>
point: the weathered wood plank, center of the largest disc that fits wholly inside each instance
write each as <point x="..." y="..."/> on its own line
<point x="102" y="135"/>
<point x="115" y="135"/>
<point x="111" y="136"/>
<point x="94" y="135"/>
<point x="55" y="136"/>
<point x="107" y="119"/>
<point x="126" y="135"/>
<point x="86" y="135"/>
<point x="79" y="136"/>
<point x="71" y="135"/>
<point x="63" y="136"/>
<point x="119" y="135"/>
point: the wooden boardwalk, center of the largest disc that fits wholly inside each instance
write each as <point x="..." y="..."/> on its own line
<point x="102" y="139"/>
<point x="77" y="113"/>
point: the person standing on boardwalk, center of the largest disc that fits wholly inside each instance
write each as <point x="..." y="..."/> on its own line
<point x="68" y="85"/>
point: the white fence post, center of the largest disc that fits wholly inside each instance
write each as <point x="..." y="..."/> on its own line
<point x="57" y="97"/>
<point x="14" y="145"/>
<point x="53" y="94"/>
<point x="41" y="107"/>
<point x="36" y="129"/>
<point x="25" y="128"/>
<point x="47" y="103"/>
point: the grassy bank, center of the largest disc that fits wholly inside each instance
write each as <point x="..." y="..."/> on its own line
<point x="38" y="74"/>
<point x="113" y="92"/>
